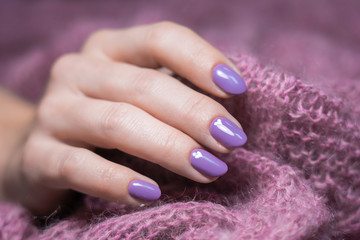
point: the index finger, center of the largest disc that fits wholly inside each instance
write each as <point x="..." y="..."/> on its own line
<point x="173" y="46"/>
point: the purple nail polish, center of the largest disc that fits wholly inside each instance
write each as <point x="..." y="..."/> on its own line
<point x="227" y="133"/>
<point x="207" y="163"/>
<point x="144" y="191"/>
<point x="228" y="80"/>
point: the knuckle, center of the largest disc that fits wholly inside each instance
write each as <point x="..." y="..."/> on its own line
<point x="113" y="118"/>
<point x="44" y="112"/>
<point x="48" y="110"/>
<point x="70" y="163"/>
<point x="160" y="32"/>
<point x="63" y="64"/>
<point x="146" y="81"/>
<point x="200" y="104"/>
<point x="106" y="176"/>
<point x="168" y="144"/>
<point x="99" y="34"/>
<point x="96" y="38"/>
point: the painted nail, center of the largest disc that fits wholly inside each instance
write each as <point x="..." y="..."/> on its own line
<point x="228" y="80"/>
<point x="144" y="191"/>
<point x="227" y="133"/>
<point x="207" y="163"/>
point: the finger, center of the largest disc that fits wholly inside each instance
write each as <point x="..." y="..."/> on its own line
<point x="175" y="47"/>
<point x="163" y="97"/>
<point x="132" y="130"/>
<point x="61" y="166"/>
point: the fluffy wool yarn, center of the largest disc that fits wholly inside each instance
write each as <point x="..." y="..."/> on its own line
<point x="298" y="176"/>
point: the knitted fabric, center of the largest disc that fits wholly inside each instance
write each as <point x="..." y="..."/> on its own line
<point x="298" y="176"/>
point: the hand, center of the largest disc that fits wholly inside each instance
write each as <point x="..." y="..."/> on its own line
<point x="111" y="96"/>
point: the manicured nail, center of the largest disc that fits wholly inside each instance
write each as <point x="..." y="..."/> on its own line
<point x="207" y="163"/>
<point x="144" y="191"/>
<point x="228" y="80"/>
<point x="227" y="133"/>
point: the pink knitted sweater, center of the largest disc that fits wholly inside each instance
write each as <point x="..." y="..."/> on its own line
<point x="298" y="176"/>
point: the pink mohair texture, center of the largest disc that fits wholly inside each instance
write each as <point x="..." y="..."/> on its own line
<point x="297" y="177"/>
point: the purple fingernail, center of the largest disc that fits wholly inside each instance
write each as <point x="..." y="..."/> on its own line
<point x="228" y="80"/>
<point x="144" y="191"/>
<point x="207" y="163"/>
<point x="227" y="133"/>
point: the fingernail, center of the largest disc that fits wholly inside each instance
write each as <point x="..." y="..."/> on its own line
<point x="228" y="80"/>
<point x="227" y="132"/>
<point x="144" y="191"/>
<point x="207" y="163"/>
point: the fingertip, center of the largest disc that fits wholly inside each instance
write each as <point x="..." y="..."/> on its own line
<point x="228" y="80"/>
<point x="207" y="164"/>
<point x="144" y="191"/>
<point x="227" y="132"/>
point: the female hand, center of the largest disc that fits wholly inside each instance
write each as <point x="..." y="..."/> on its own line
<point x="110" y="96"/>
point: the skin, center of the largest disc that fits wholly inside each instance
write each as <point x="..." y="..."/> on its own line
<point x="111" y="95"/>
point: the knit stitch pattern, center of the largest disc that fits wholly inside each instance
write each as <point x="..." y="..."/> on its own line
<point x="297" y="177"/>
